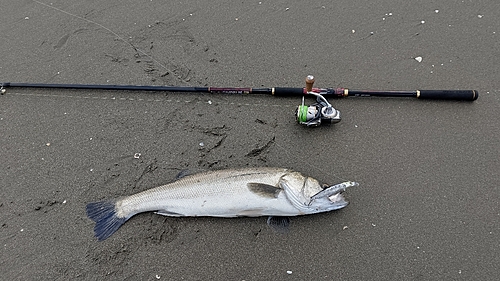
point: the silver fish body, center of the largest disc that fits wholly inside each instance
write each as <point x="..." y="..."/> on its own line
<point x="223" y="193"/>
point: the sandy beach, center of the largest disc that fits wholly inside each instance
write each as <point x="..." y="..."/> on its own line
<point x="428" y="204"/>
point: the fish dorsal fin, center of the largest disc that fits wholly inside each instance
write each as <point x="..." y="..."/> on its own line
<point x="264" y="190"/>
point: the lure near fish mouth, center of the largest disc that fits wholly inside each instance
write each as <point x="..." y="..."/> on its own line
<point x="248" y="192"/>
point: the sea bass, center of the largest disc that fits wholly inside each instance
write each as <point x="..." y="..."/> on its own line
<point x="249" y="192"/>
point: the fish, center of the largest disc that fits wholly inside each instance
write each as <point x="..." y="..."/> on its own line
<point x="244" y="192"/>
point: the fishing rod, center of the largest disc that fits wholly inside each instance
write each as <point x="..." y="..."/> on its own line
<point x="464" y="95"/>
<point x="314" y="115"/>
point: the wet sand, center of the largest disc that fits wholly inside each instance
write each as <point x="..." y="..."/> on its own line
<point x="427" y="207"/>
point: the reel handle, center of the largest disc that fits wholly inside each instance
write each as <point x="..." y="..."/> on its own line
<point x="309" y="83"/>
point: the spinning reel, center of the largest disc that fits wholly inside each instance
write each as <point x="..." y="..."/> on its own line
<point x="320" y="112"/>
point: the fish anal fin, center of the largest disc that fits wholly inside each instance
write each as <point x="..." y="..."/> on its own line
<point x="257" y="212"/>
<point x="279" y="224"/>
<point x="168" y="213"/>
<point x="182" y="174"/>
<point x="264" y="190"/>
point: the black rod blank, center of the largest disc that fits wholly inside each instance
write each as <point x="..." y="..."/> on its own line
<point x="464" y="95"/>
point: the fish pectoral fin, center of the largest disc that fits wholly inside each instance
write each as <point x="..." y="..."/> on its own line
<point x="264" y="190"/>
<point x="279" y="224"/>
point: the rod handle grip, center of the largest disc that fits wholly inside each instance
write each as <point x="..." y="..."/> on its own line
<point x="467" y="95"/>
<point x="283" y="91"/>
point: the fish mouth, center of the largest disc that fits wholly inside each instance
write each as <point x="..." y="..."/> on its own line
<point x="336" y="198"/>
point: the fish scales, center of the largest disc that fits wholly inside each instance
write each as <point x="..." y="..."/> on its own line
<point x="208" y="194"/>
<point x="223" y="193"/>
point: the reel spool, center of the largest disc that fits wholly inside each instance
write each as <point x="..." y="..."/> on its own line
<point x="315" y="114"/>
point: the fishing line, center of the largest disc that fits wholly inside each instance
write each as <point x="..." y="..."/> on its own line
<point x="114" y="98"/>
<point x="137" y="50"/>
<point x="301" y="159"/>
<point x="210" y="102"/>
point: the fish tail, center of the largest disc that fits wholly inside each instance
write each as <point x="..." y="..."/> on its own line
<point x="104" y="215"/>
